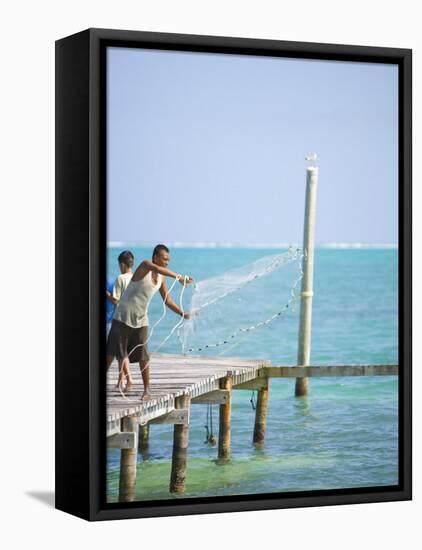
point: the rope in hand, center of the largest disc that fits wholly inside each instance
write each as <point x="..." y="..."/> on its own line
<point x="181" y="320"/>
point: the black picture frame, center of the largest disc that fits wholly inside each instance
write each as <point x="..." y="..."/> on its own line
<point x="80" y="256"/>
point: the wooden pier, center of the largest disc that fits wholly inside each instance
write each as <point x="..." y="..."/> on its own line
<point x="176" y="383"/>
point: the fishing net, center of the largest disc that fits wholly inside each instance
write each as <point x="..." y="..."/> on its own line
<point x="229" y="307"/>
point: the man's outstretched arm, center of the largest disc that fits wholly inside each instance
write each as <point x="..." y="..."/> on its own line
<point x="147" y="265"/>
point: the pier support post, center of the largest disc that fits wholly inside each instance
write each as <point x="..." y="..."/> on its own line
<point x="225" y="414"/>
<point x="128" y="457"/>
<point x="304" y="345"/>
<point x="143" y="439"/>
<point x="261" y="416"/>
<point x="180" y="449"/>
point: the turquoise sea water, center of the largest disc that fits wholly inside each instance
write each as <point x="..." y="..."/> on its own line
<point x="344" y="434"/>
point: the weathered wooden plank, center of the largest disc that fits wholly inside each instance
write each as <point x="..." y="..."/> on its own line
<point x="123" y="440"/>
<point x="181" y="379"/>
<point x="177" y="360"/>
<point x="168" y="357"/>
<point x="173" y="376"/>
<point x="213" y="397"/>
<point x="177" y="416"/>
<point x="148" y="416"/>
<point x="331" y="370"/>
<point x="259" y="383"/>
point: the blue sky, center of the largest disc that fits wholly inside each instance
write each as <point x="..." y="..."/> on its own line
<point x="211" y="147"/>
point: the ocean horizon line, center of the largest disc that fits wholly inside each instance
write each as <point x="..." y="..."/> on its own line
<point x="204" y="244"/>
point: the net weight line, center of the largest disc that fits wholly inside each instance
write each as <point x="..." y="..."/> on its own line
<point x="283" y="310"/>
<point x="290" y="256"/>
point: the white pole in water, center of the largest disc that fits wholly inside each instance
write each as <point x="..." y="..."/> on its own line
<point x="305" y="326"/>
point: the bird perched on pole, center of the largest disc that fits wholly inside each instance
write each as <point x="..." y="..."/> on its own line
<point x="312" y="159"/>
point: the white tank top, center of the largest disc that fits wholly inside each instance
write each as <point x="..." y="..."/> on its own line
<point x="132" y="310"/>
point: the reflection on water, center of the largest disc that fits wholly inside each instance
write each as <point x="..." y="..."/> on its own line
<point x="303" y="405"/>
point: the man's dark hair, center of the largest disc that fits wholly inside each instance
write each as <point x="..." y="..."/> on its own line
<point x="126" y="257"/>
<point x="159" y="248"/>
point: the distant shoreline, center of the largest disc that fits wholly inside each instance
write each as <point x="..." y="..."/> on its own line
<point x="207" y="245"/>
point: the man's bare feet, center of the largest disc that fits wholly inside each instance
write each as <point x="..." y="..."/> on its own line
<point x="146" y="396"/>
<point x="120" y="383"/>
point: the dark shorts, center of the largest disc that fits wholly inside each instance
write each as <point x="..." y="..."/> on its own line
<point x="122" y="339"/>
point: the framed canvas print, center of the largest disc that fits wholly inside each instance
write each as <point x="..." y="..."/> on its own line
<point x="233" y="274"/>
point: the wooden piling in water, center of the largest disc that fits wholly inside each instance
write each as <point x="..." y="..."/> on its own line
<point x="261" y="416"/>
<point x="212" y="385"/>
<point x="143" y="439"/>
<point x="180" y="449"/>
<point x="128" y="457"/>
<point x="225" y="417"/>
<point x="304" y="344"/>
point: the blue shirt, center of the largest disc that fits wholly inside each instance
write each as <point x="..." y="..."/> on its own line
<point x="109" y="305"/>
